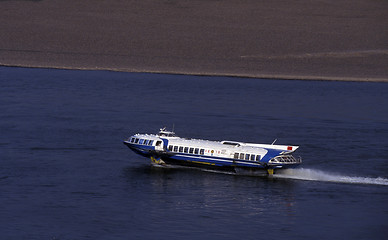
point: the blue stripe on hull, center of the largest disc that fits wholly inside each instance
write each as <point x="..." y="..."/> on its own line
<point x="215" y="161"/>
<point x="192" y="162"/>
<point x="204" y="160"/>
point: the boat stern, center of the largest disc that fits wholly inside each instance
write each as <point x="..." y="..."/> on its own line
<point x="283" y="162"/>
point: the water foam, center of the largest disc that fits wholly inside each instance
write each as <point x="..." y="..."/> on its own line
<point x="318" y="175"/>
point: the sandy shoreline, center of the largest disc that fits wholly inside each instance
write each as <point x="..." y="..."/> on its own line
<point x="318" y="40"/>
<point x="256" y="76"/>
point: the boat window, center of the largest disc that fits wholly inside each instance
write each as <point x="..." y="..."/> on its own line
<point x="236" y="155"/>
<point x="136" y="140"/>
<point x="191" y="150"/>
<point x="170" y="147"/>
<point x="141" y="141"/>
<point x="180" y="149"/>
<point x="150" y="142"/>
<point x="202" y="151"/>
<point x="257" y="157"/>
<point x="175" y="148"/>
<point x="241" y="155"/>
<point x="196" y="151"/>
<point x="247" y="156"/>
<point x="146" y="142"/>
<point x="253" y="157"/>
<point x="158" y="143"/>
<point x="186" y="150"/>
<point x="132" y="140"/>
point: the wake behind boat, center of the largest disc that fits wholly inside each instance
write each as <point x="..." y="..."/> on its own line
<point x="167" y="148"/>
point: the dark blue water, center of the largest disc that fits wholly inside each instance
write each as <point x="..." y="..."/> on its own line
<point x="65" y="173"/>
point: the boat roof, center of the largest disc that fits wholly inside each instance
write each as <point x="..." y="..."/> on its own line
<point x="200" y="143"/>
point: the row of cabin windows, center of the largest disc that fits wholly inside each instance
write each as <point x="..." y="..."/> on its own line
<point x="142" y="141"/>
<point x="181" y="149"/>
<point x="243" y="156"/>
<point x="247" y="156"/>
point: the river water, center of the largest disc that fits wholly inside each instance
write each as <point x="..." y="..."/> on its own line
<point x="65" y="173"/>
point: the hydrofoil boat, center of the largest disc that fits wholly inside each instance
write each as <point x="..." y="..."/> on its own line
<point x="167" y="148"/>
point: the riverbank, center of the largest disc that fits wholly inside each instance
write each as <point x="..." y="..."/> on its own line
<point x="280" y="39"/>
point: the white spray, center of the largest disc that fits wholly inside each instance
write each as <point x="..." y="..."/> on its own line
<point x="318" y="175"/>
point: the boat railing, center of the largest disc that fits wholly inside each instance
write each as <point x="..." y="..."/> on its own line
<point x="286" y="159"/>
<point x="165" y="133"/>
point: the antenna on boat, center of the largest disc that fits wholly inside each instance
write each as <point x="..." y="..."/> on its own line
<point x="274" y="141"/>
<point x="173" y="127"/>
